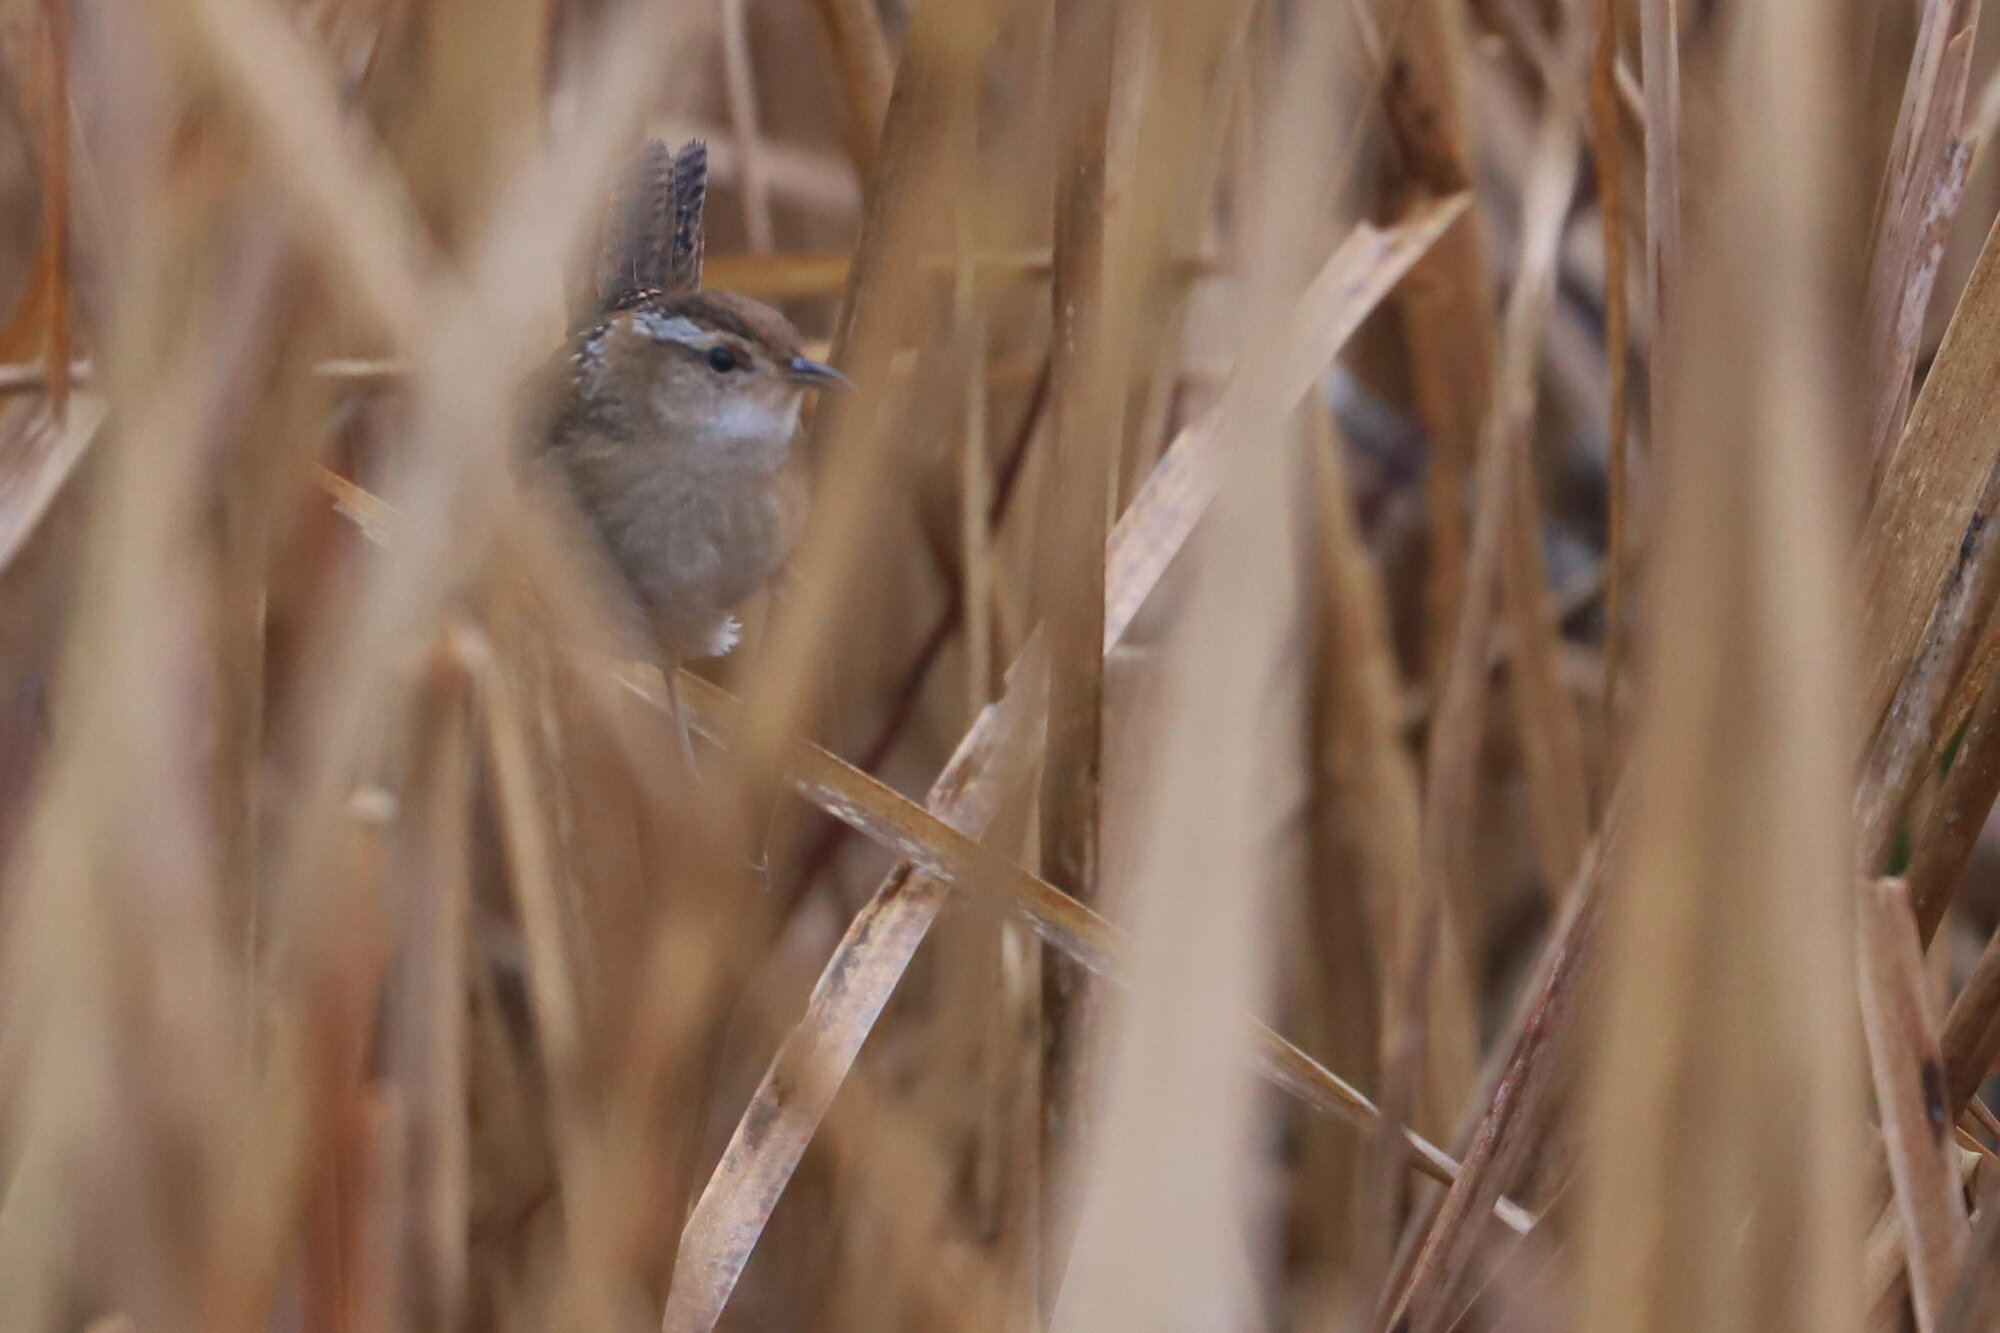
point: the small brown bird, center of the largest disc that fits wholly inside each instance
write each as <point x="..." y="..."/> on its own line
<point x="673" y="415"/>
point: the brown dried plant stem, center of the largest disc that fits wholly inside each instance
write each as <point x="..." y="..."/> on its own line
<point x="425" y="1038"/>
<point x="1455" y="734"/>
<point x="1104" y="276"/>
<point x="1448" y="302"/>
<point x="1087" y="410"/>
<point x="855" y="442"/>
<point x="1513" y="1119"/>
<point x="1608" y="156"/>
<point x="975" y="479"/>
<point x="53" y="264"/>
<point x="1726" y="1128"/>
<point x="1195" y="891"/>
<point x="1660" y="67"/>
<point x="740" y="77"/>
<point x="1922" y="184"/>
<point x="853" y="30"/>
<point x="1910" y="1094"/>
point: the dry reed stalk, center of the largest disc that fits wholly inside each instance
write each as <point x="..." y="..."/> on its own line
<point x="1514" y="1116"/>
<point x="429" y="882"/>
<point x="1108" y="261"/>
<point x="1375" y="776"/>
<point x="1545" y="710"/>
<point x="531" y="865"/>
<point x="457" y="86"/>
<point x="343" y="1280"/>
<point x="1448" y="300"/>
<point x="21" y="377"/>
<point x="776" y="277"/>
<point x="1169" y="1175"/>
<point x="1660" y="67"/>
<point x="975" y="485"/>
<point x="355" y="208"/>
<point x="1910" y="1093"/>
<point x="857" y="442"/>
<point x="52" y="262"/>
<point x="1725" y="1128"/>
<point x="1922" y="184"/>
<point x="1546" y="714"/>
<point x="111" y="964"/>
<point x="854" y="30"/>
<point x="1608" y="156"/>
<point x="1088" y="369"/>
<point x="1332" y="939"/>
<point x="741" y="80"/>
<point x="1458" y="727"/>
<point x="1497" y="561"/>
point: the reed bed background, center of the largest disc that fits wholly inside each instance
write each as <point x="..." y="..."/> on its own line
<point x="1385" y="717"/>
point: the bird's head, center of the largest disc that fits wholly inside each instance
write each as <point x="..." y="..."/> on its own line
<point x="720" y="373"/>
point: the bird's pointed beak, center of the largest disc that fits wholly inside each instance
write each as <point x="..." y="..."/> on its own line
<point x="805" y="370"/>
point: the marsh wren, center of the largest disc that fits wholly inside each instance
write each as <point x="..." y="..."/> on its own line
<point x="672" y="417"/>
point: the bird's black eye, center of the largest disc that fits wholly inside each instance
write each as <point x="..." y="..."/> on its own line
<point x="721" y="360"/>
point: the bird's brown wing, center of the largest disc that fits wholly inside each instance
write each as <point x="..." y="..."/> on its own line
<point x="690" y="196"/>
<point x="652" y="240"/>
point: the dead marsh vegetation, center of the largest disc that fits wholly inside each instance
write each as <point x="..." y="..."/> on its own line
<point x="1383" y="719"/>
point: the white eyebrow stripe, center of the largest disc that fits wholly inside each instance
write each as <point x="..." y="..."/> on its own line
<point x="671" y="329"/>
